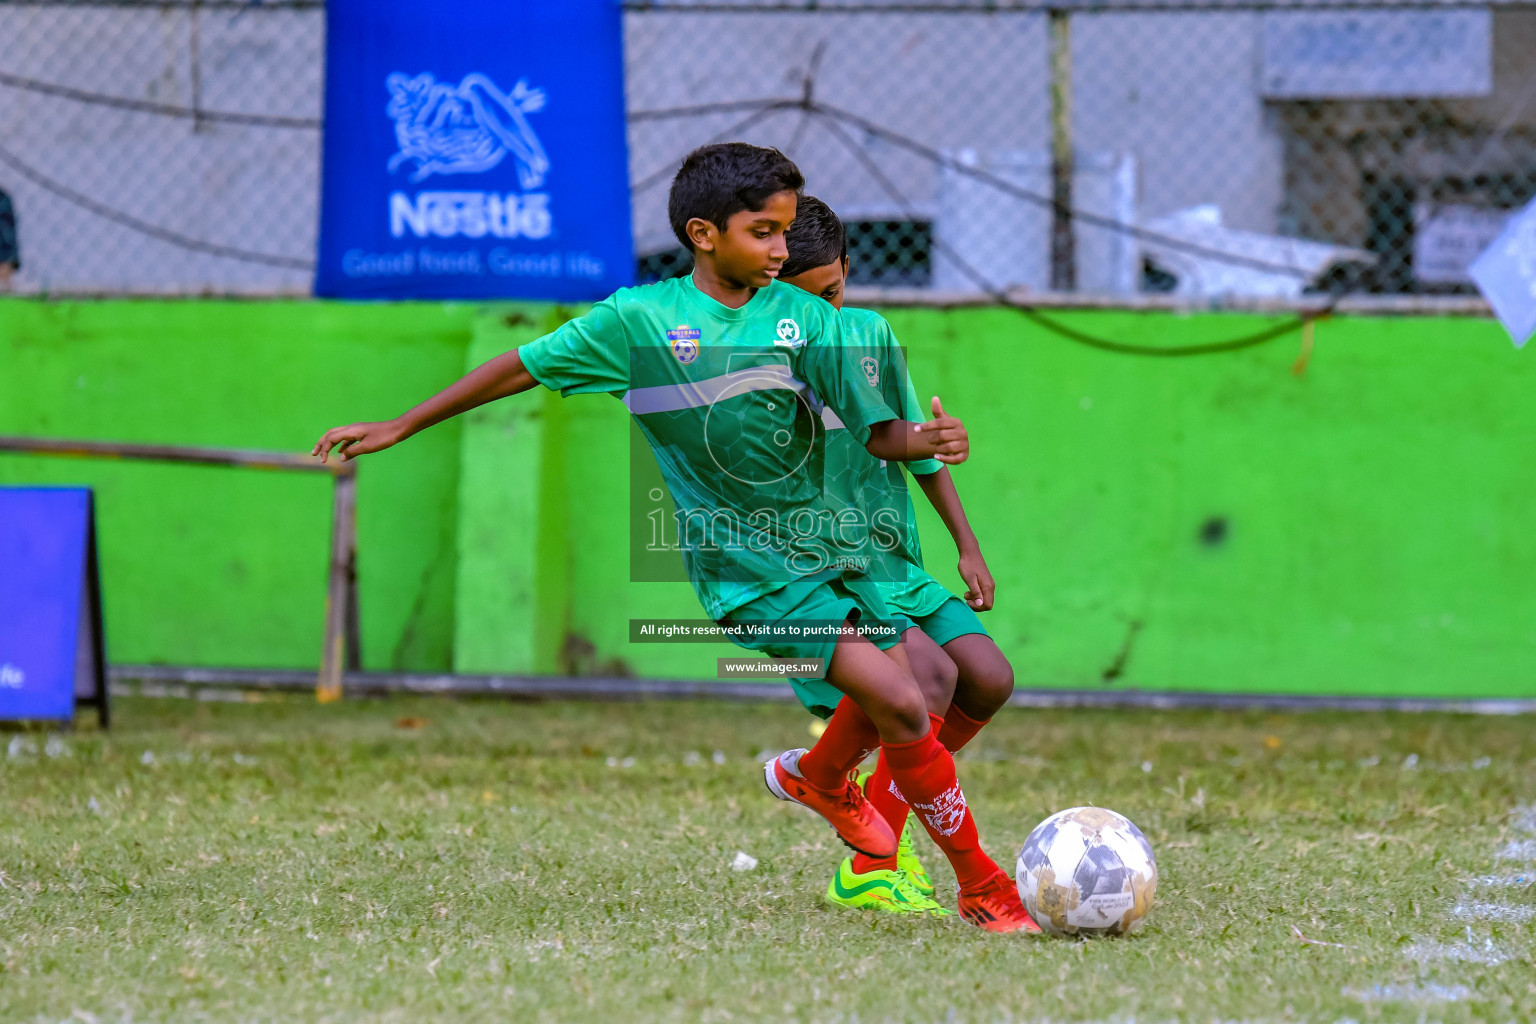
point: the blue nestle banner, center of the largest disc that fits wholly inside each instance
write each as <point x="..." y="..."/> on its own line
<point x="49" y="636"/>
<point x="474" y="149"/>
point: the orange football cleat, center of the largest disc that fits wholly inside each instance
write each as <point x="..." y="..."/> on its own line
<point x="852" y="817"/>
<point x="994" y="906"/>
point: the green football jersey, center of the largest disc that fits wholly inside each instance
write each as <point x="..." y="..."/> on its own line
<point x="853" y="478"/>
<point x="722" y="397"/>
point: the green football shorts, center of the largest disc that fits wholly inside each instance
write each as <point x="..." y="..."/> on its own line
<point x="951" y="619"/>
<point x="826" y="596"/>
<point x="930" y="605"/>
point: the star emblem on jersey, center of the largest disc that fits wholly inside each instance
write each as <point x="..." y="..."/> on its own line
<point x="789" y="334"/>
<point x="871" y="367"/>
<point x="685" y="343"/>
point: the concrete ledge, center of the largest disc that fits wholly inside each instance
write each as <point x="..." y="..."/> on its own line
<point x="1351" y="304"/>
<point x="226" y="684"/>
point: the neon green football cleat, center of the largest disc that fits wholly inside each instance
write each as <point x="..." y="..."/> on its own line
<point x="887" y="891"/>
<point x="906" y="857"/>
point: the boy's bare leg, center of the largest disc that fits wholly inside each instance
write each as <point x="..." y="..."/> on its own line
<point x="881" y="690"/>
<point x="932" y="668"/>
<point x="984" y="684"/>
<point x="936" y="676"/>
<point x="818" y="778"/>
<point x="921" y="768"/>
<point x="871" y="679"/>
<point x="985" y="677"/>
<point x="852" y="733"/>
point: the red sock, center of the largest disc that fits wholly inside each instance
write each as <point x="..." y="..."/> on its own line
<point x="849" y="738"/>
<point x="882" y="792"/>
<point x="924" y="772"/>
<point x="959" y="729"/>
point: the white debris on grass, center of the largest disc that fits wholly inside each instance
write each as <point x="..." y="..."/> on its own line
<point x="691" y="759"/>
<point x="718" y="757"/>
<point x="743" y="861"/>
<point x="1430" y="993"/>
<point x="148" y="757"/>
<point x="1469" y="952"/>
<point x="537" y="948"/>
<point x="1518" y="849"/>
<point x="1483" y="910"/>
<point x="20" y="747"/>
<point x="93" y="805"/>
<point x="243" y="759"/>
<point x="1369" y="762"/>
<point x="1146" y="767"/>
<point x="1481" y="763"/>
<point x="1501" y="881"/>
<point x="56" y="747"/>
<point x="1523" y="819"/>
<point x="1410" y="762"/>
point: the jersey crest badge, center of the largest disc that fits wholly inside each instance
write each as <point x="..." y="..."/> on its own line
<point x="788" y="334"/>
<point x="871" y="367"/>
<point x="685" y="343"/>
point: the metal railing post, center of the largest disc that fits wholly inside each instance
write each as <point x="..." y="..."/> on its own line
<point x="1063" y="240"/>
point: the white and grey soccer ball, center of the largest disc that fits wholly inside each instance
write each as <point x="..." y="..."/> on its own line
<point x="1087" y="871"/>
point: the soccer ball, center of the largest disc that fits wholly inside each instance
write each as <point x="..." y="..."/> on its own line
<point x="1087" y="871"/>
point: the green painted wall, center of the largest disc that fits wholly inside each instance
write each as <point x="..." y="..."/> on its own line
<point x="1213" y="523"/>
<point x="1376" y="507"/>
<point x="213" y="566"/>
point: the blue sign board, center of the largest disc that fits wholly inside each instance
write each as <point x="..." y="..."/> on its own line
<point x="50" y="624"/>
<point x="1506" y="275"/>
<point x="474" y="149"/>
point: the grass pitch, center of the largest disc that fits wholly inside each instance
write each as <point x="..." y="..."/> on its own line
<point x="418" y="860"/>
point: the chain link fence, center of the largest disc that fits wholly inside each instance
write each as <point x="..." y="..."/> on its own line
<point x="1206" y="149"/>
<point x="162" y="148"/>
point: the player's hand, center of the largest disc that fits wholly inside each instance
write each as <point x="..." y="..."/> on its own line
<point x="980" y="586"/>
<point x="948" y="435"/>
<point x="357" y="439"/>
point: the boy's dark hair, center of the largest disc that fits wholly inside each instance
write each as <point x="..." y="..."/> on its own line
<point x="720" y="180"/>
<point x="816" y="239"/>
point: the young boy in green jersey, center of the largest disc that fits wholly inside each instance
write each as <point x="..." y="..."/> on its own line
<point x="960" y="669"/>
<point x="712" y="367"/>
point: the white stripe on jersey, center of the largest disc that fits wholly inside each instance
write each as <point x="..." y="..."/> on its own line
<point x="695" y="394"/>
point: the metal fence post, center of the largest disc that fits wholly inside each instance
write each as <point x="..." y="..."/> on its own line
<point x="1063" y="243"/>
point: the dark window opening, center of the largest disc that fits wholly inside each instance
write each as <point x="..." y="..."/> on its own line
<point x="661" y="266"/>
<point x="890" y="253"/>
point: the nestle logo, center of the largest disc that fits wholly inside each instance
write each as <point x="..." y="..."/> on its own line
<point x="11" y="677"/>
<point x="683" y="333"/>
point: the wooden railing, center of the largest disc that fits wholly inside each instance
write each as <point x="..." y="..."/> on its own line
<point x="343" y="647"/>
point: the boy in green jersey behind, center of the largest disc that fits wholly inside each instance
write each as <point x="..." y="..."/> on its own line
<point x="960" y="669"/>
<point x="713" y="368"/>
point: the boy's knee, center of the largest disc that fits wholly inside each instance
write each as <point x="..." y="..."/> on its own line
<point x="936" y="678"/>
<point x="908" y="710"/>
<point x="987" y="688"/>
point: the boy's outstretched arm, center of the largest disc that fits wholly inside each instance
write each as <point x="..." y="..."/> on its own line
<point x="940" y="489"/>
<point x="943" y="438"/>
<point x="500" y="377"/>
